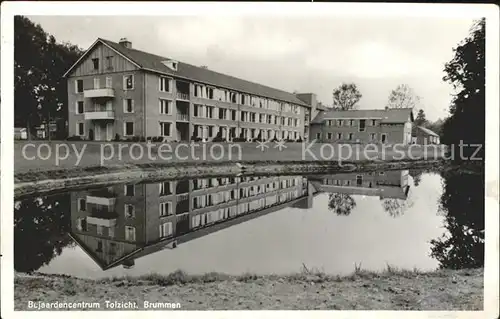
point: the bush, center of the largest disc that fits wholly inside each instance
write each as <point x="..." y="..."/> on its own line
<point x="142" y="139"/>
<point x="135" y="138"/>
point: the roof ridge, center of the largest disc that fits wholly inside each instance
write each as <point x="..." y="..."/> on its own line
<point x="200" y="68"/>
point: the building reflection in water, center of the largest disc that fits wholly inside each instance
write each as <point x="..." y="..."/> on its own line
<point x="119" y="224"/>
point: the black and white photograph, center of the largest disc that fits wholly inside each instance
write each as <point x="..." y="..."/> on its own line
<point x="249" y="156"/>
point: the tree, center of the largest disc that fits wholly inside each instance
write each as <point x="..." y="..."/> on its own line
<point x="346" y="96"/>
<point x="341" y="204"/>
<point x="466" y="72"/>
<point x="39" y="88"/>
<point x="403" y="97"/>
<point x="462" y="202"/>
<point x="41" y="227"/>
<point x="420" y="120"/>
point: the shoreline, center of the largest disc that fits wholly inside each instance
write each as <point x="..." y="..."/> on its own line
<point x="391" y="289"/>
<point x="41" y="182"/>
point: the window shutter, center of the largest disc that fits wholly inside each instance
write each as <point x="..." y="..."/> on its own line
<point x="76" y="86"/>
<point x="124" y="106"/>
<point x="124" y="82"/>
<point x="133" y="106"/>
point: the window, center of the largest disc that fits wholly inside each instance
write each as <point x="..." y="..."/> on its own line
<point x="129" y="190"/>
<point x="165" y="209"/>
<point x="210" y="131"/>
<point x="351" y="122"/>
<point x="233" y="115"/>
<point x="129" y="211"/>
<point x="111" y="233"/>
<point x="351" y="135"/>
<point x="80" y="129"/>
<point x="166" y="107"/>
<point x="109" y="82"/>
<point x="100" y="230"/>
<point x="128" y="106"/>
<point x="373" y="122"/>
<point x="128" y="82"/>
<point x="99" y="243"/>
<point x="95" y="63"/>
<point x="359" y="180"/>
<point x="362" y="124"/>
<point x="164" y="129"/>
<point x="79" y="86"/>
<point x="128" y="128"/>
<point x="339" y="136"/>
<point x="129" y="233"/>
<point x="97" y="83"/>
<point x="329" y="136"/>
<point x="243" y="99"/>
<point x="165" y="230"/>
<point x="318" y="136"/>
<point x="222" y="114"/>
<point x="165" y="84"/>
<point x="210" y="93"/>
<point x="210" y="110"/>
<point x="82" y="204"/>
<point x="79" y="107"/>
<point x="109" y="62"/>
<point x="372" y="136"/>
<point x="165" y="189"/>
<point x="340" y="122"/>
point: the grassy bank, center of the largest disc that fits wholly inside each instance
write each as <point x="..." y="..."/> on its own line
<point x="391" y="289"/>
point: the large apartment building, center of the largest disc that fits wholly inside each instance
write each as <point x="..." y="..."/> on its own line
<point x="117" y="91"/>
<point x="118" y="224"/>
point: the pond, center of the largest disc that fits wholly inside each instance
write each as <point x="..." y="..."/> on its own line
<point x="257" y="224"/>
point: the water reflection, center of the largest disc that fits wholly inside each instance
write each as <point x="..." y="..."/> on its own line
<point x="121" y="224"/>
<point x="391" y="187"/>
<point x="462" y="204"/>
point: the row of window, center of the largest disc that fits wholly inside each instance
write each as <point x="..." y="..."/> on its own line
<point x="242" y="192"/>
<point x="202" y="183"/>
<point x="165" y="85"/>
<point x="208" y="218"/>
<point x="207" y="92"/>
<point x="350" y="123"/>
<point x="348" y="136"/>
<point x="128" y="83"/>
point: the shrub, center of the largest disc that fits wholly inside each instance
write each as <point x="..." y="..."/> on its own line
<point x="142" y="139"/>
<point x="117" y="137"/>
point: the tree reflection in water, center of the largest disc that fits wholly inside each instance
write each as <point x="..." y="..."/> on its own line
<point x="462" y="203"/>
<point x="41" y="227"/>
<point x="341" y="204"/>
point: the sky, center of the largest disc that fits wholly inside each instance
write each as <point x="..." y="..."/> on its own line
<point x="309" y="54"/>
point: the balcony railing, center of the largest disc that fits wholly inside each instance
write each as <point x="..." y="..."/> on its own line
<point x="182" y="96"/>
<point x="183" y="117"/>
<point x="100" y="115"/>
<point x="101" y="198"/>
<point x="93" y="93"/>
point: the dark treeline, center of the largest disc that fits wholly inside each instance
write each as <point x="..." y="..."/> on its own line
<point x="40" y="91"/>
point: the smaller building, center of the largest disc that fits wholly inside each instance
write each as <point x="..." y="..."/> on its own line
<point x="20" y="133"/>
<point x="424" y="136"/>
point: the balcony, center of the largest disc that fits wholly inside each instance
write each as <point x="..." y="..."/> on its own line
<point x="101" y="221"/>
<point x="96" y="93"/>
<point x="101" y="198"/>
<point x="182" y="96"/>
<point x="100" y="115"/>
<point x="183" y="117"/>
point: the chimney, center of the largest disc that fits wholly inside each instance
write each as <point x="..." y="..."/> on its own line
<point x="126" y="43"/>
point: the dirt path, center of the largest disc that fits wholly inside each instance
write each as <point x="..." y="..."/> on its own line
<point x="406" y="290"/>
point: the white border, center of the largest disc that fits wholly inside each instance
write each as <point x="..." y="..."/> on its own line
<point x="9" y="9"/>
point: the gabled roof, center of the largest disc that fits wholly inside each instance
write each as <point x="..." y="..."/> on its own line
<point x="387" y="116"/>
<point x="153" y="63"/>
<point x="427" y="131"/>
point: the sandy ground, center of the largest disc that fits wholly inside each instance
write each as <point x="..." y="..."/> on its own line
<point x="400" y="290"/>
